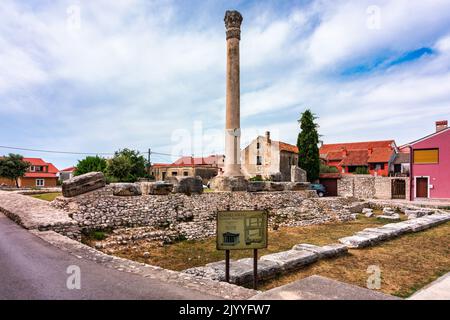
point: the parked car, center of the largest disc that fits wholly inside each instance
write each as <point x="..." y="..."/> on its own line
<point x="320" y="189"/>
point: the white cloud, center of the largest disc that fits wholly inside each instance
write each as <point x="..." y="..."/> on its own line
<point x="134" y="72"/>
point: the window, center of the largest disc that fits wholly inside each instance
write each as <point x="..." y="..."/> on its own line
<point x="379" y="166"/>
<point x="38" y="169"/>
<point x="174" y="173"/>
<point x="257" y="145"/>
<point x="258" y="160"/>
<point x="32" y="168"/>
<point x="40" y="182"/>
<point x="185" y="173"/>
<point x="426" y="156"/>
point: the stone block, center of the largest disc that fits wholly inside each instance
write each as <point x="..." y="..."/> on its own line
<point x="394" y="217"/>
<point x="276" y="186"/>
<point x="297" y="186"/>
<point x="126" y="189"/>
<point x="223" y="183"/>
<point x="186" y="185"/>
<point x="328" y="251"/>
<point x="240" y="273"/>
<point x="256" y="186"/>
<point x="387" y="211"/>
<point x="298" y="174"/>
<point x="266" y="269"/>
<point x="358" y="241"/>
<point x="83" y="183"/>
<point x="292" y="259"/>
<point x="158" y="188"/>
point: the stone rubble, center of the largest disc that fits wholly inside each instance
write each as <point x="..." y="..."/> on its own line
<point x="194" y="216"/>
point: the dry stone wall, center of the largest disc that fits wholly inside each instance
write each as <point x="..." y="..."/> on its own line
<point x="194" y="216"/>
<point x="368" y="187"/>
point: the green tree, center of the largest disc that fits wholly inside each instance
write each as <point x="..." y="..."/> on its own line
<point x="13" y="167"/>
<point x="126" y="166"/>
<point x="91" y="164"/>
<point x="307" y="143"/>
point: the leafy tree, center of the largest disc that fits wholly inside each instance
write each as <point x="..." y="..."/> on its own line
<point x="126" y="166"/>
<point x="91" y="164"/>
<point x="307" y="143"/>
<point x="13" y="167"/>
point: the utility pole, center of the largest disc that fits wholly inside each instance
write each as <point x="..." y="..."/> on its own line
<point x="149" y="163"/>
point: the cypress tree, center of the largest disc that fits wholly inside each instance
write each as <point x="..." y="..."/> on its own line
<point x="307" y="143"/>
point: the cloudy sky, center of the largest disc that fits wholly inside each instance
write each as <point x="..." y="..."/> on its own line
<point x="97" y="76"/>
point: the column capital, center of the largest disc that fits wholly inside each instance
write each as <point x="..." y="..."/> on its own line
<point x="233" y="20"/>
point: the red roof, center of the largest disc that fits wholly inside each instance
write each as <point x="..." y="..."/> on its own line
<point x="380" y="155"/>
<point x="191" y="161"/>
<point x="70" y="169"/>
<point x="326" y="148"/>
<point x="355" y="158"/>
<point x="51" y="173"/>
<point x="35" y="161"/>
<point x="287" y="147"/>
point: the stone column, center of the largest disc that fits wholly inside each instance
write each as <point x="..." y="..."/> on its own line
<point x="233" y="20"/>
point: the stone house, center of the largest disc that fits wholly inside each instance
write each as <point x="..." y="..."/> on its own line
<point x="40" y="174"/>
<point x="205" y="167"/>
<point x="67" y="173"/>
<point x="269" y="158"/>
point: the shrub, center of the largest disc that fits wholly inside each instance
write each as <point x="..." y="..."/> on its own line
<point x="328" y="169"/>
<point x="361" y="170"/>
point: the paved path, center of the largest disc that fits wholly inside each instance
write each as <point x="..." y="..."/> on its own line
<point x="31" y="268"/>
<point x="437" y="290"/>
<point x="321" y="288"/>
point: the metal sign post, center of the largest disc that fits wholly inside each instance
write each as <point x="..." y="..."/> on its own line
<point x="242" y="230"/>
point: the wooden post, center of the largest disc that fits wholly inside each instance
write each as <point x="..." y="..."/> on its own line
<point x="255" y="269"/>
<point x="227" y="265"/>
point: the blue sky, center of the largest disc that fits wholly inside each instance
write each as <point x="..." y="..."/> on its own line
<point x="96" y="76"/>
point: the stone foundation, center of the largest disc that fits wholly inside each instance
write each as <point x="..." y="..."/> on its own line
<point x="194" y="217"/>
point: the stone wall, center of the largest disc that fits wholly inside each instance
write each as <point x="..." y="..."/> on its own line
<point x="194" y="216"/>
<point x="368" y="187"/>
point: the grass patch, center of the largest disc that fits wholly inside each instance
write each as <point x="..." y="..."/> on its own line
<point x="407" y="263"/>
<point x="47" y="196"/>
<point x="188" y="254"/>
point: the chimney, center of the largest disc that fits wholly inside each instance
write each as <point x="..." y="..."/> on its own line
<point x="320" y="143"/>
<point x="268" y="136"/>
<point x="344" y="152"/>
<point x="441" y="125"/>
<point x="370" y="151"/>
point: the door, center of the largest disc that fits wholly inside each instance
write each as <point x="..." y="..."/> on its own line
<point x="331" y="186"/>
<point x="421" y="187"/>
<point x="398" y="189"/>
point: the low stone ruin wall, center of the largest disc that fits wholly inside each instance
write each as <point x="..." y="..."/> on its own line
<point x="194" y="217"/>
<point x="368" y="187"/>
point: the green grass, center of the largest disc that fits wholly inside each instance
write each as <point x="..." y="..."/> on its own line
<point x="47" y="196"/>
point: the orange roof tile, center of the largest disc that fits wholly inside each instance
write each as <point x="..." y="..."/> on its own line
<point x="380" y="155"/>
<point x="326" y="148"/>
<point x="355" y="158"/>
<point x="287" y="147"/>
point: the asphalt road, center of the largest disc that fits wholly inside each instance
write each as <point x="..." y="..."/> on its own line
<point x="30" y="268"/>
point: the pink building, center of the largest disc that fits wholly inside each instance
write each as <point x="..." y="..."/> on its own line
<point x="430" y="164"/>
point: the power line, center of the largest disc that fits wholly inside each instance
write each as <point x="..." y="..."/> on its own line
<point x="89" y="153"/>
<point x="54" y="151"/>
